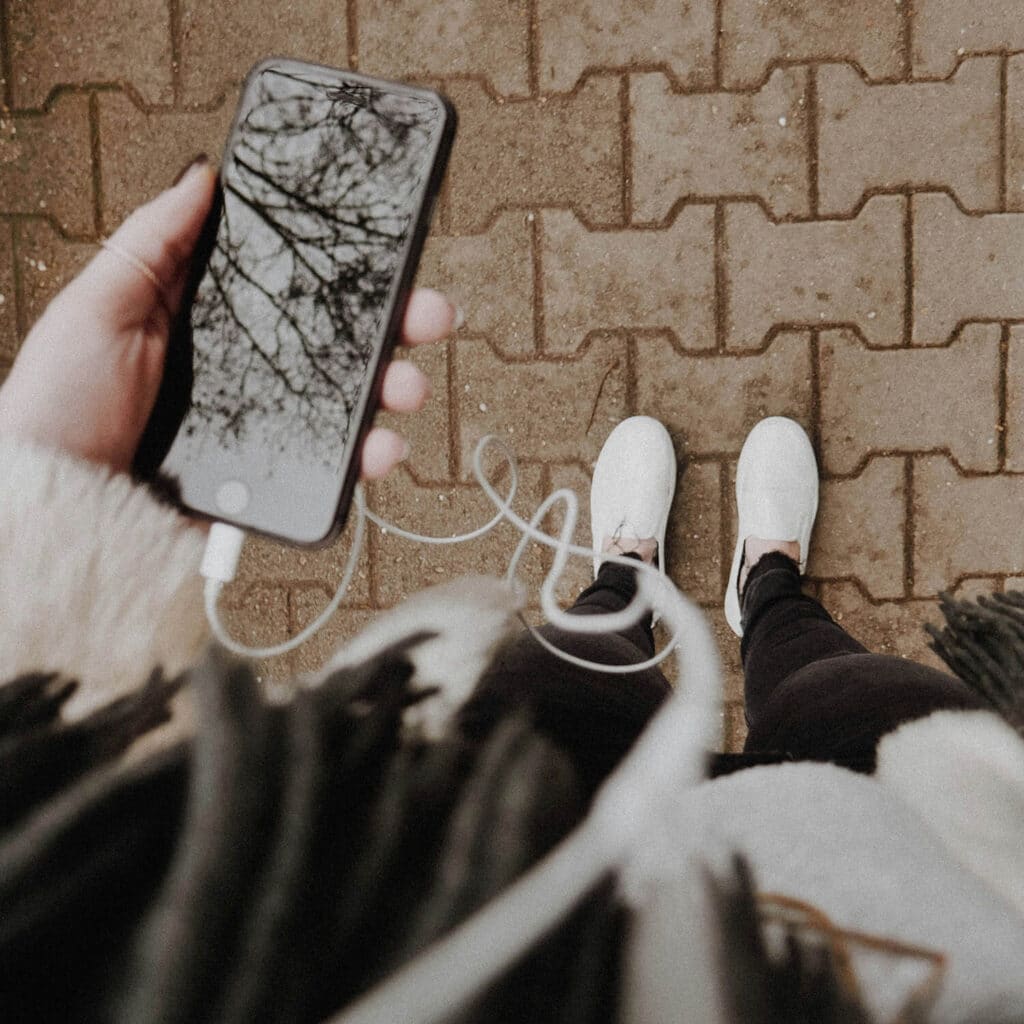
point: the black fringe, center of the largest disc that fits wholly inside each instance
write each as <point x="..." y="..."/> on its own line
<point x="983" y="643"/>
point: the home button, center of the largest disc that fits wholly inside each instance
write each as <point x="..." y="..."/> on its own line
<point x="232" y="497"/>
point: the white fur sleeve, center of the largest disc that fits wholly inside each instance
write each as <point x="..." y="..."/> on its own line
<point x="963" y="771"/>
<point x="97" y="579"/>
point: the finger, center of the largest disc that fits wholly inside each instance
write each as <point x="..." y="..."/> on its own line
<point x="382" y="451"/>
<point x="162" y="236"/>
<point x="429" y="317"/>
<point x="406" y="387"/>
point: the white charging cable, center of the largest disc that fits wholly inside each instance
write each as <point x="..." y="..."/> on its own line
<point x="224" y="546"/>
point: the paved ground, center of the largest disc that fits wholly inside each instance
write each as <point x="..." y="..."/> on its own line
<point x="704" y="211"/>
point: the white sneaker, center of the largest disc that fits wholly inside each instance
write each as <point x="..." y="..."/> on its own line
<point x="633" y="485"/>
<point x="776" y="496"/>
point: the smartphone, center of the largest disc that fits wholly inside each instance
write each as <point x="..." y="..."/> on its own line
<point x="296" y="298"/>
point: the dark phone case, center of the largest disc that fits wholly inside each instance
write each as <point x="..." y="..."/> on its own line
<point x="176" y="385"/>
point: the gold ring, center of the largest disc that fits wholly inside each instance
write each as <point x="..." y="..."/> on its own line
<point x="140" y="265"/>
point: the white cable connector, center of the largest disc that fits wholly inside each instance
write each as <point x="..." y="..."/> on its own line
<point x="223" y="549"/>
<point x="225" y="543"/>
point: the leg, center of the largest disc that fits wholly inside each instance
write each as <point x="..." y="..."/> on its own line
<point x="784" y="630"/>
<point x="593" y="716"/>
<point x="610" y="592"/>
<point x="812" y="692"/>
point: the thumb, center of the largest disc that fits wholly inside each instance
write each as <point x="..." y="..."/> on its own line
<point x="161" y="235"/>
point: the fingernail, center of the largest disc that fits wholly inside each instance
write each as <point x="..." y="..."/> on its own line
<point x="201" y="160"/>
<point x="458" y="318"/>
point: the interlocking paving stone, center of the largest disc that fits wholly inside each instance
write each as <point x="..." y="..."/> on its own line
<point x="304" y="604"/>
<point x="944" y="30"/>
<point x="1015" y="133"/>
<point x="694" y="538"/>
<point x="221" y="41"/>
<point x="256" y="615"/>
<point x="268" y="563"/>
<point x="9" y="334"/>
<point x="820" y="272"/>
<point x="47" y="263"/>
<point x="141" y="152"/>
<point x="729" y="652"/>
<point x="965" y="267"/>
<point x="490" y="275"/>
<point x="634" y="279"/>
<point x="860" y="528"/>
<point x="964" y="525"/>
<point x="935" y="134"/>
<point x="404" y="568"/>
<point x="1015" y="401"/>
<point x="710" y="403"/>
<point x="46" y="164"/>
<point x="911" y="400"/>
<point x="79" y="41"/>
<point x="562" y="151"/>
<point x="609" y="33"/>
<point x="886" y="627"/>
<point x="420" y="38"/>
<point x="755" y="34"/>
<point x="427" y="430"/>
<point x="558" y="411"/>
<point x="720" y="144"/>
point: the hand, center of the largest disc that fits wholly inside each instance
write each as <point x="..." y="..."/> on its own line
<point x="88" y="373"/>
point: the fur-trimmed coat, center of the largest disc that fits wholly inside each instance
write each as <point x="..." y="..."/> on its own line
<point x="100" y="582"/>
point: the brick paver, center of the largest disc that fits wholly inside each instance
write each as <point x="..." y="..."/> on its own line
<point x="933" y="134"/>
<point x="490" y="275"/>
<point x="720" y="144"/>
<point x="945" y="30"/>
<point x="46" y="164"/>
<point x="861" y="527"/>
<point x="661" y="208"/>
<point x="142" y="151"/>
<point x="965" y="267"/>
<point x="636" y="279"/>
<point x="815" y="273"/>
<point x="562" y="151"/>
<point x="432" y="38"/>
<point x="552" y="410"/>
<point x="964" y="526"/>
<point x="219" y="42"/>
<point x="609" y="33"/>
<point x="709" y="403"/>
<point x="911" y="400"/>
<point x="756" y="35"/>
<point x="79" y="41"/>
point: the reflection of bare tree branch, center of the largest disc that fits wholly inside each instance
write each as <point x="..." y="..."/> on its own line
<point x="298" y="200"/>
<point x="318" y="199"/>
<point x="257" y="350"/>
<point x="274" y="300"/>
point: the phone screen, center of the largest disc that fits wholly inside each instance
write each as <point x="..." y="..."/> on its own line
<point x="323" y="182"/>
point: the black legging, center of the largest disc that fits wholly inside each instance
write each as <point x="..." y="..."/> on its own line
<point x="812" y="692"/>
<point x="595" y="717"/>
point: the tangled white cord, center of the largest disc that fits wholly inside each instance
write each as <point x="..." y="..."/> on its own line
<point x="628" y="809"/>
<point x="224" y="546"/>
